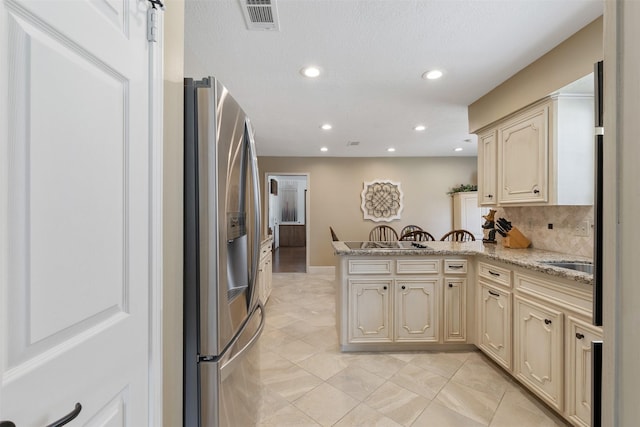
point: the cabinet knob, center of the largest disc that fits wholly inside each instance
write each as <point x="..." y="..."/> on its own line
<point x="451" y="285"/>
<point x="579" y="335"/>
<point x="404" y="287"/>
<point x="490" y="196"/>
<point x="384" y="287"/>
<point x="547" y="321"/>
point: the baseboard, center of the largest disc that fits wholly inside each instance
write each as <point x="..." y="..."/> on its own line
<point x="322" y="269"/>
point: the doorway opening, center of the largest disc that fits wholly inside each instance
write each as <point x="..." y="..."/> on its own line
<point x="287" y="221"/>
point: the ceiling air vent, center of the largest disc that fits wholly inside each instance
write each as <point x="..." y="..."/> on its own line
<point x="352" y="143"/>
<point x="260" y="14"/>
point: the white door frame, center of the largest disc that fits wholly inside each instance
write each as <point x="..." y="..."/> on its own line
<point x="156" y="112"/>
<point x="307" y="204"/>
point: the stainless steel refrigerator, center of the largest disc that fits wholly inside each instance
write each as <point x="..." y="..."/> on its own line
<point x="222" y="316"/>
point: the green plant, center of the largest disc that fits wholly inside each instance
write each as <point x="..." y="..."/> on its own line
<point x="463" y="188"/>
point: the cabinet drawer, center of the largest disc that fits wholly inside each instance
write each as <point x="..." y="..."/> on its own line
<point x="496" y="274"/>
<point x="562" y="294"/>
<point x="414" y="266"/>
<point x="370" y="266"/>
<point x="455" y="266"/>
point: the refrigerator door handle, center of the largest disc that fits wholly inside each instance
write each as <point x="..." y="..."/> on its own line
<point x="229" y="364"/>
<point x="258" y="212"/>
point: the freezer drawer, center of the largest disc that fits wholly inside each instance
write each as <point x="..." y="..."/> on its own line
<point x="230" y="386"/>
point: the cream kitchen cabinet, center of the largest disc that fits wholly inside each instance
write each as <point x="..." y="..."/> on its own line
<point x="370" y="310"/>
<point x="580" y="334"/>
<point x="544" y="155"/>
<point x="495" y="323"/>
<point x="265" y="272"/>
<point x="523" y="144"/>
<point x="467" y="215"/>
<point x="455" y="301"/>
<point x="538" y="343"/>
<point x="494" y="313"/>
<point x="455" y="309"/>
<point x="557" y="364"/>
<point x="488" y="168"/>
<point x="416" y="309"/>
<point x="400" y="303"/>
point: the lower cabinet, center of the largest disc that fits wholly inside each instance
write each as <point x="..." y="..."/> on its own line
<point x="538" y="353"/>
<point x="578" y="365"/>
<point x="495" y="323"/>
<point x="416" y="310"/>
<point x="455" y="309"/>
<point x="265" y="272"/>
<point x="369" y="311"/>
<point x="409" y="315"/>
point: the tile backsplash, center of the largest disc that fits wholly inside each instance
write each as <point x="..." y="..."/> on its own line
<point x="533" y="222"/>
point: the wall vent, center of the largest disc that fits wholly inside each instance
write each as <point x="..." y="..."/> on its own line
<point x="350" y="143"/>
<point x="260" y="14"/>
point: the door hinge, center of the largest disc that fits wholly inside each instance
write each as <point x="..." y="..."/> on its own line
<point x="152" y="24"/>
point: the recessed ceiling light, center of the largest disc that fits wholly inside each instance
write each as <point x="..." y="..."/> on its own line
<point x="457" y="149"/>
<point x="324" y="149"/>
<point x="419" y="128"/>
<point x="391" y="149"/>
<point x="326" y="126"/>
<point x="310" y="72"/>
<point x="432" y="75"/>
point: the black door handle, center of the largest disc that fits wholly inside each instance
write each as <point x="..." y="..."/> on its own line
<point x="547" y="321"/>
<point x="70" y="416"/>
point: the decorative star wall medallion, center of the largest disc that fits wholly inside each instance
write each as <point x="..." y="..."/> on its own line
<point x="381" y="200"/>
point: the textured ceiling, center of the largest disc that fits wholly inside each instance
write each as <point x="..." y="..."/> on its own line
<point x="372" y="54"/>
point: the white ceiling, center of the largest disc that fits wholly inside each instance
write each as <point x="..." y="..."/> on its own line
<point x="372" y="54"/>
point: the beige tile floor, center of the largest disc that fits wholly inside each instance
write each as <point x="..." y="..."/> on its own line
<point x="307" y="381"/>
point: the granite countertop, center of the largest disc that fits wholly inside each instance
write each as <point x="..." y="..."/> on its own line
<point x="527" y="258"/>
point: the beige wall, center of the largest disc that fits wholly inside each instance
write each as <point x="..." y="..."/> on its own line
<point x="172" y="211"/>
<point x="567" y="62"/>
<point x="335" y="185"/>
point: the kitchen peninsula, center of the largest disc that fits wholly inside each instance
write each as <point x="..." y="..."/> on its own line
<point x="520" y="308"/>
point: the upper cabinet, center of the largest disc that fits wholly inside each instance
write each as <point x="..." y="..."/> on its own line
<point x="488" y="168"/>
<point x="541" y="155"/>
<point x="523" y="157"/>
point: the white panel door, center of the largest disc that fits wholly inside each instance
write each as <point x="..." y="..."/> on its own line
<point x="74" y="211"/>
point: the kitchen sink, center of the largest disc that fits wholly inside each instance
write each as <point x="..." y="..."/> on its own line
<point x="583" y="266"/>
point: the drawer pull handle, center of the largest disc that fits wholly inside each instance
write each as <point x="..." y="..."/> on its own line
<point x="547" y="321"/>
<point x="579" y="335"/>
<point x="67" y="418"/>
<point x="456" y="266"/>
<point x="493" y="274"/>
<point x="494" y="294"/>
<point x="536" y="191"/>
<point x="404" y="287"/>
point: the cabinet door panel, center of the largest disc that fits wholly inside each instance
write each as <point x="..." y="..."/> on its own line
<point x="495" y="324"/>
<point x="487" y="169"/>
<point x="523" y="158"/>
<point x="579" y="337"/>
<point x="455" y="310"/>
<point x="416" y="310"/>
<point x="369" y="318"/>
<point x="538" y="349"/>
